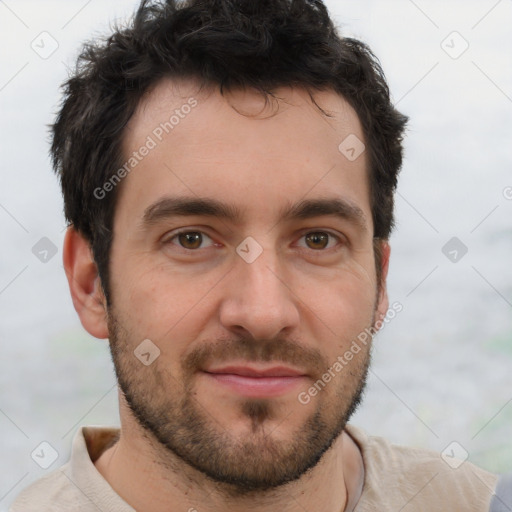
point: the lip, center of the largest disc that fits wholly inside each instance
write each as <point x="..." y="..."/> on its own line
<point x="257" y="382"/>
<point x="252" y="371"/>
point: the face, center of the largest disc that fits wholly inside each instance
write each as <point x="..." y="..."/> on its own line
<point x="243" y="250"/>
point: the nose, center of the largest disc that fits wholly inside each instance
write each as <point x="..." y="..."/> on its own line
<point x="259" y="300"/>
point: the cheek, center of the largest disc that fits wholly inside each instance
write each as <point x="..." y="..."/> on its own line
<point x="350" y="306"/>
<point x="161" y="305"/>
<point x="340" y="303"/>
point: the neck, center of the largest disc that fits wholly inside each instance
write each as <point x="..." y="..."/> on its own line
<point x="136" y="470"/>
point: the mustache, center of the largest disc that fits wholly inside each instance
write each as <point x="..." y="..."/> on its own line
<point x="280" y="350"/>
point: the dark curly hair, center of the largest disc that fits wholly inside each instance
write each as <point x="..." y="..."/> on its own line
<point x="260" y="44"/>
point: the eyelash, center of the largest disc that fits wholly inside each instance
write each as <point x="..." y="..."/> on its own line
<point x="338" y="238"/>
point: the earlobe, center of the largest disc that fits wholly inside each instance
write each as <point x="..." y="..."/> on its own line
<point x="85" y="284"/>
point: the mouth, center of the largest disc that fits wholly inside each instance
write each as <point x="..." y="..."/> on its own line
<point x="257" y="382"/>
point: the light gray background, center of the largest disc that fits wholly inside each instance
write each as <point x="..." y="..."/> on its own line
<point x="441" y="368"/>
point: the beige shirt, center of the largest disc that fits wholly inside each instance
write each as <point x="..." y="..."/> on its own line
<point x="396" y="479"/>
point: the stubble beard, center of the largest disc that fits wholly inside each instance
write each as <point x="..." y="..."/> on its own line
<point x="174" y="421"/>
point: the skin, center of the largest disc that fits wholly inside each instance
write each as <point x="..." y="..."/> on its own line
<point x="301" y="303"/>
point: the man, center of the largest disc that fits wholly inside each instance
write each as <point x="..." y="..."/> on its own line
<point x="228" y="171"/>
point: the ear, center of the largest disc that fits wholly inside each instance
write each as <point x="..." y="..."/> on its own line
<point x="382" y="300"/>
<point x="84" y="284"/>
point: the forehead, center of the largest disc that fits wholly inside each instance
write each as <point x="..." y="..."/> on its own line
<point x="241" y="147"/>
<point x="282" y="108"/>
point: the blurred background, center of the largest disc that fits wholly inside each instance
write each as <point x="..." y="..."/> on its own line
<point x="442" y="367"/>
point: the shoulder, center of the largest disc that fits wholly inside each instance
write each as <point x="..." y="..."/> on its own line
<point x="52" y="493"/>
<point x="408" y="478"/>
<point x="77" y="485"/>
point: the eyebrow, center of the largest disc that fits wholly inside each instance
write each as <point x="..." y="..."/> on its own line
<point x="168" y="207"/>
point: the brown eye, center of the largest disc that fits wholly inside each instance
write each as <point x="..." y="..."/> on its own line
<point x="190" y="239"/>
<point x="317" y="240"/>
